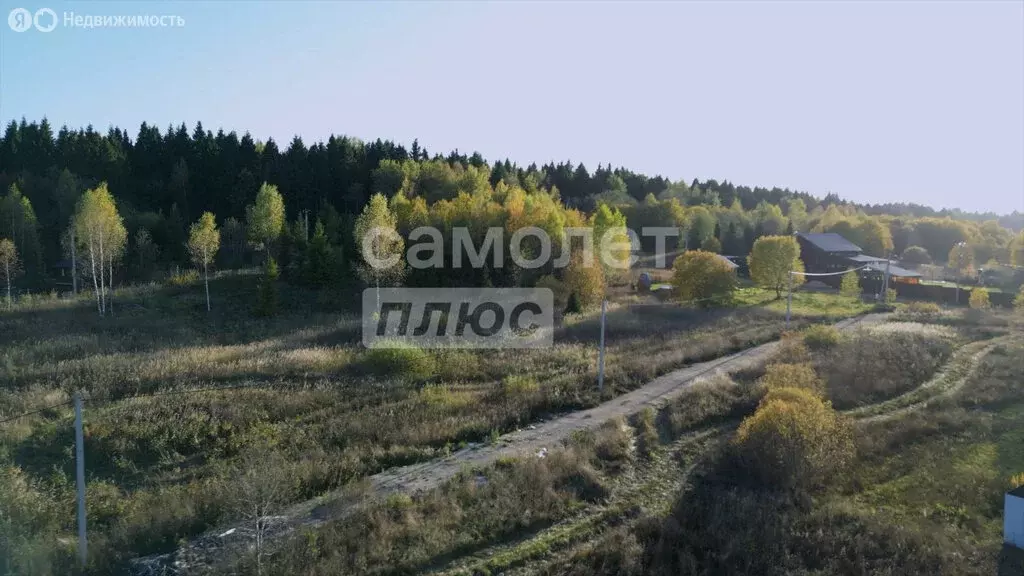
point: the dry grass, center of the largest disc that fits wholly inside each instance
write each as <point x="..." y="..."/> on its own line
<point x="329" y="411"/>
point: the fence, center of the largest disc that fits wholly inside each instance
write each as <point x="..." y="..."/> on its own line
<point x="936" y="293"/>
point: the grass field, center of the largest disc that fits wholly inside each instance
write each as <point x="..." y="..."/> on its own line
<point x="164" y="451"/>
<point x="924" y="495"/>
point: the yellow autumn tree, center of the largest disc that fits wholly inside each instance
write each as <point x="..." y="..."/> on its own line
<point x="771" y="261"/>
<point x="702" y="276"/>
<point x="794" y="441"/>
<point x="100" y="233"/>
<point x="203" y="244"/>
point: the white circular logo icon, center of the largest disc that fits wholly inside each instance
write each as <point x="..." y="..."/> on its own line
<point x="44" y="24"/>
<point x="20" y="19"/>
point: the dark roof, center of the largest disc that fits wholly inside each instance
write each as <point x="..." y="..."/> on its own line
<point x="830" y="242"/>
<point x="865" y="258"/>
<point x="893" y="270"/>
<point x="728" y="261"/>
<point x="62" y="264"/>
<point x="1018" y="492"/>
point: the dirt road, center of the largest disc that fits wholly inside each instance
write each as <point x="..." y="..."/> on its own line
<point x="225" y="542"/>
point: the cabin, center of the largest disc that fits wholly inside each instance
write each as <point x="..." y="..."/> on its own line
<point x="830" y="252"/>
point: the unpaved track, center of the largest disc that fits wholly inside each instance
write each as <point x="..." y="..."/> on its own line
<point x="228" y="540"/>
<point x="669" y="475"/>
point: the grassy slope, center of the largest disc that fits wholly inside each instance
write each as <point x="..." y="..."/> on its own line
<point x="159" y="467"/>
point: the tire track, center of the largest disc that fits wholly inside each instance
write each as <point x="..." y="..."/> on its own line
<point x="580" y="531"/>
<point x="230" y="540"/>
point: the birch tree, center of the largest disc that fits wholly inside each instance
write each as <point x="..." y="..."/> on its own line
<point x="265" y="218"/>
<point x="203" y="244"/>
<point x="9" y="265"/>
<point x="100" y="234"/>
<point x="379" y="244"/>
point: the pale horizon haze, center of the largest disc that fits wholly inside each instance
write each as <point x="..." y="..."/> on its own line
<point x="878" y="102"/>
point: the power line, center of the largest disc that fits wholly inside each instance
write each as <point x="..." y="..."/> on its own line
<point x="36" y="411"/>
<point x="184" y="392"/>
<point x="111" y="399"/>
<point x="830" y="273"/>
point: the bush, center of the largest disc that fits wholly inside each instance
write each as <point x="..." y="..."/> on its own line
<point x="266" y="305"/>
<point x="586" y="283"/>
<point x="850" y="285"/>
<point x="558" y="289"/>
<point x="183" y="278"/>
<point x="647" y="432"/>
<point x="915" y="255"/>
<point x="924" y="309"/>
<point x="573" y="306"/>
<point x="794" y="441"/>
<point x="711" y="244"/>
<point x="890" y="296"/>
<point x="700" y="275"/>
<point x="516" y="385"/>
<point x="1018" y="302"/>
<point x="791" y="350"/>
<point x="399" y="360"/>
<point x="872" y="366"/>
<point x="782" y="376"/>
<point x="821" y="337"/>
<point x="979" y="299"/>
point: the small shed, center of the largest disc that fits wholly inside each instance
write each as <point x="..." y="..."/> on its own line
<point x="1013" y="518"/>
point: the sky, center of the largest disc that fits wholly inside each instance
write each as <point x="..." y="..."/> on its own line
<point x="878" y="102"/>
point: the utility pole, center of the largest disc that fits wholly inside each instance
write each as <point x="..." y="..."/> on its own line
<point x="74" y="264"/>
<point x="885" y="285"/>
<point x="600" y="353"/>
<point x="80" y="480"/>
<point x="789" y="299"/>
<point x="959" y="267"/>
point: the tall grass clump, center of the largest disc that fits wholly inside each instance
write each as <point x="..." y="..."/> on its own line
<point x="394" y="359"/>
<point x="821" y="337"/>
<point x="801" y="376"/>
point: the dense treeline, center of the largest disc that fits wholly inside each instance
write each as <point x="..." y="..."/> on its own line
<point x="164" y="181"/>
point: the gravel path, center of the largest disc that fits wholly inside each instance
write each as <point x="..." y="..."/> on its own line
<point x="227" y="541"/>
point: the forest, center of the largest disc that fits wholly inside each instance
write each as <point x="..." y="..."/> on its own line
<point x="162" y="182"/>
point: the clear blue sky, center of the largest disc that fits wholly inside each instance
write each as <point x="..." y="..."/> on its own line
<point x="917" y="101"/>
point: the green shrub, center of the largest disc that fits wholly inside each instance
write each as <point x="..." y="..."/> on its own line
<point x="266" y="305"/>
<point x="183" y="278"/>
<point x="516" y="385"/>
<point x="791" y="350"/>
<point x="924" y="309"/>
<point x="647" y="433"/>
<point x="979" y="299"/>
<point x="573" y="305"/>
<point x="794" y="441"/>
<point x="558" y="289"/>
<point x="779" y="376"/>
<point x="443" y="397"/>
<point x="702" y="276"/>
<point x="821" y="337"/>
<point x="399" y="360"/>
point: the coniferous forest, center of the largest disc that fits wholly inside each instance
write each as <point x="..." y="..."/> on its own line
<point x="163" y="180"/>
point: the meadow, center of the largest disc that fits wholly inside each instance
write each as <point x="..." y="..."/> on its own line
<point x="181" y="403"/>
<point x="660" y="493"/>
